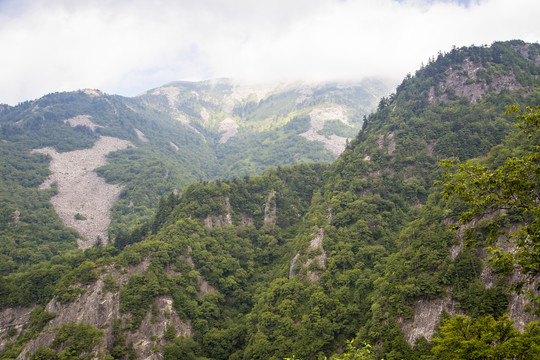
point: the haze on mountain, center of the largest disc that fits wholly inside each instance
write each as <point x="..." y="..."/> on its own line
<point x="127" y="47"/>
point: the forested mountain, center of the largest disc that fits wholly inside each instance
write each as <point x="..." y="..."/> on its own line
<point x="146" y="147"/>
<point x="301" y="259"/>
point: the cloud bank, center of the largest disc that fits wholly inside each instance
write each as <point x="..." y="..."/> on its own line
<point x="129" y="46"/>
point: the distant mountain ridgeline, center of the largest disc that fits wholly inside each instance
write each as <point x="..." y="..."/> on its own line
<point x="301" y="259"/>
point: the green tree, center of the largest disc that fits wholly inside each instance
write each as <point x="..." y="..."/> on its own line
<point x="76" y="340"/>
<point x="353" y="353"/>
<point x="510" y="191"/>
<point x="170" y="333"/>
<point x="44" y="354"/>
<point x="485" y="338"/>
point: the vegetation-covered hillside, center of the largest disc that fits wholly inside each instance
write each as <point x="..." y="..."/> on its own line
<point x="303" y="259"/>
<point x="254" y="127"/>
<point x="175" y="138"/>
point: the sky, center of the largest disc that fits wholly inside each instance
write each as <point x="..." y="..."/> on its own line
<point x="126" y="47"/>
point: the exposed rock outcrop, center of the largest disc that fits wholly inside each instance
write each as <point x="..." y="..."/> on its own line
<point x="82" y="120"/>
<point x="292" y="266"/>
<point x="173" y="145"/>
<point x="315" y="255"/>
<point x="517" y="307"/>
<point x="523" y="49"/>
<point x="205" y="115"/>
<point x="172" y="93"/>
<point x="390" y="137"/>
<point x="92" y="92"/>
<point x="390" y="141"/>
<point x="270" y="210"/>
<point x="246" y="219"/>
<point x="204" y="286"/>
<point x="153" y="327"/>
<point x="228" y="128"/>
<point x="426" y="317"/>
<point x="427" y="312"/>
<point x="12" y="318"/>
<point x="220" y="220"/>
<point x="15" y="219"/>
<point x="100" y="307"/>
<point x="141" y="135"/>
<point x="228" y="105"/>
<point x="334" y="143"/>
<point x="315" y="247"/>
<point x="466" y="82"/>
<point x="304" y="94"/>
<point x="244" y="91"/>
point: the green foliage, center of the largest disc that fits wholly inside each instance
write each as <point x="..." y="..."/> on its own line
<point x="40" y="282"/>
<point x="119" y="349"/>
<point x="79" y="217"/>
<point x="175" y="155"/>
<point x="470" y="293"/>
<point x="148" y="175"/>
<point x="44" y="354"/>
<point x="337" y="127"/>
<point x="182" y="348"/>
<point x="485" y="338"/>
<point x="282" y="143"/>
<point x="385" y="235"/>
<point x="109" y="283"/>
<point x="11" y="332"/>
<point x="137" y="295"/>
<point x="512" y="188"/>
<point x="73" y="341"/>
<point x="170" y="333"/>
<point x="233" y="260"/>
<point x="353" y="353"/>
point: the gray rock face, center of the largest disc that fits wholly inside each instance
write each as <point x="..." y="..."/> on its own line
<point x="99" y="307"/>
<point x="270" y="211"/>
<point x="466" y="80"/>
<point x="12" y="318"/>
<point x="316" y="254"/>
<point x="426" y="317"/>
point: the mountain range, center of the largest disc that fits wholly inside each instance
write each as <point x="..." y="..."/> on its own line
<point x="128" y="152"/>
<point x="315" y="220"/>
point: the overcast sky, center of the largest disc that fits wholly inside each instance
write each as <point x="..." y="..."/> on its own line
<point x="128" y="46"/>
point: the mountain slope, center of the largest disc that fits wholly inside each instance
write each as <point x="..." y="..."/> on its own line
<point x="145" y="147"/>
<point x="237" y="117"/>
<point x="301" y="259"/>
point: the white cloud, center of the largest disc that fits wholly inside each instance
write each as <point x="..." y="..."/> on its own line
<point x="127" y="47"/>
